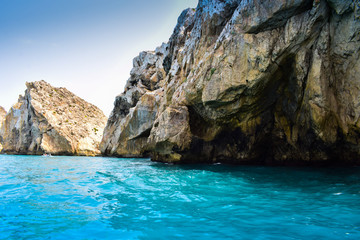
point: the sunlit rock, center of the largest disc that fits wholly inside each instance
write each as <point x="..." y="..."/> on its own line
<point x="53" y="121"/>
<point x="269" y="82"/>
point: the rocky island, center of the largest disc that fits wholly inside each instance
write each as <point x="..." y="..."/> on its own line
<point x="50" y="120"/>
<point x="2" y="116"/>
<point x="266" y="82"/>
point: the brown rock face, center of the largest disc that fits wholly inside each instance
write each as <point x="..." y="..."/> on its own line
<point x="265" y="82"/>
<point x="54" y="121"/>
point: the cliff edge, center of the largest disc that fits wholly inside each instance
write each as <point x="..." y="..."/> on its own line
<point x="266" y="82"/>
<point x="53" y="121"/>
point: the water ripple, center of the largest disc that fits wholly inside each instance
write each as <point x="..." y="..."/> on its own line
<point x="109" y="198"/>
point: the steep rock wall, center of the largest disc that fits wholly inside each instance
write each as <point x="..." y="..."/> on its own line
<point x="249" y="82"/>
<point x="53" y="121"/>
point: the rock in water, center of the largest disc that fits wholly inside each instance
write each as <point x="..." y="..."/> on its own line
<point x="269" y="82"/>
<point x="53" y="121"/>
<point x="2" y="117"/>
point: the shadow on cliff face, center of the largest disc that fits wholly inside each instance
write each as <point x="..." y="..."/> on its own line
<point x="243" y="140"/>
<point x="269" y="140"/>
<point x="271" y="83"/>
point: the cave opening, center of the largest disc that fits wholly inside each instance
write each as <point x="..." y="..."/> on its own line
<point x="231" y="144"/>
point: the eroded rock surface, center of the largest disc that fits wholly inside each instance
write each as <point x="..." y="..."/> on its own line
<point x="269" y="82"/>
<point x="53" y="121"/>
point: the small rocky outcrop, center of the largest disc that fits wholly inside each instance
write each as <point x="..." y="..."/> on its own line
<point x="266" y="82"/>
<point x="53" y="121"/>
<point x="2" y="116"/>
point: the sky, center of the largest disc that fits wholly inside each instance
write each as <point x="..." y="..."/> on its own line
<point x="86" y="46"/>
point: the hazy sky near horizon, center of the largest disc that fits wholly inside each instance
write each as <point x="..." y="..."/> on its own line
<point x="86" y="46"/>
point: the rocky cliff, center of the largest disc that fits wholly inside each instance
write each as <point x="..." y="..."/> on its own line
<point x="247" y="81"/>
<point x="53" y="121"/>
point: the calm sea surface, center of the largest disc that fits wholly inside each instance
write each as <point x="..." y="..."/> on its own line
<point x="110" y="198"/>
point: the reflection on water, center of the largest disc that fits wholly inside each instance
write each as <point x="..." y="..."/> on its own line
<point x="109" y="198"/>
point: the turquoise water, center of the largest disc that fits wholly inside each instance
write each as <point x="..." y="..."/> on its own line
<point x="109" y="198"/>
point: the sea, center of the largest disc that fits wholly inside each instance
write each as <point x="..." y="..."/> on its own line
<point x="44" y="197"/>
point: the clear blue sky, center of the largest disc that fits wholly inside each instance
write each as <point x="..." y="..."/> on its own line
<point x="86" y="46"/>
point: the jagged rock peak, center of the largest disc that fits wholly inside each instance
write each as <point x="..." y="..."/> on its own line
<point x="52" y="120"/>
<point x="251" y="81"/>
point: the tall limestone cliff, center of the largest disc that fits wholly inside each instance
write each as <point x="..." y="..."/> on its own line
<point x="247" y="81"/>
<point x="53" y="121"/>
